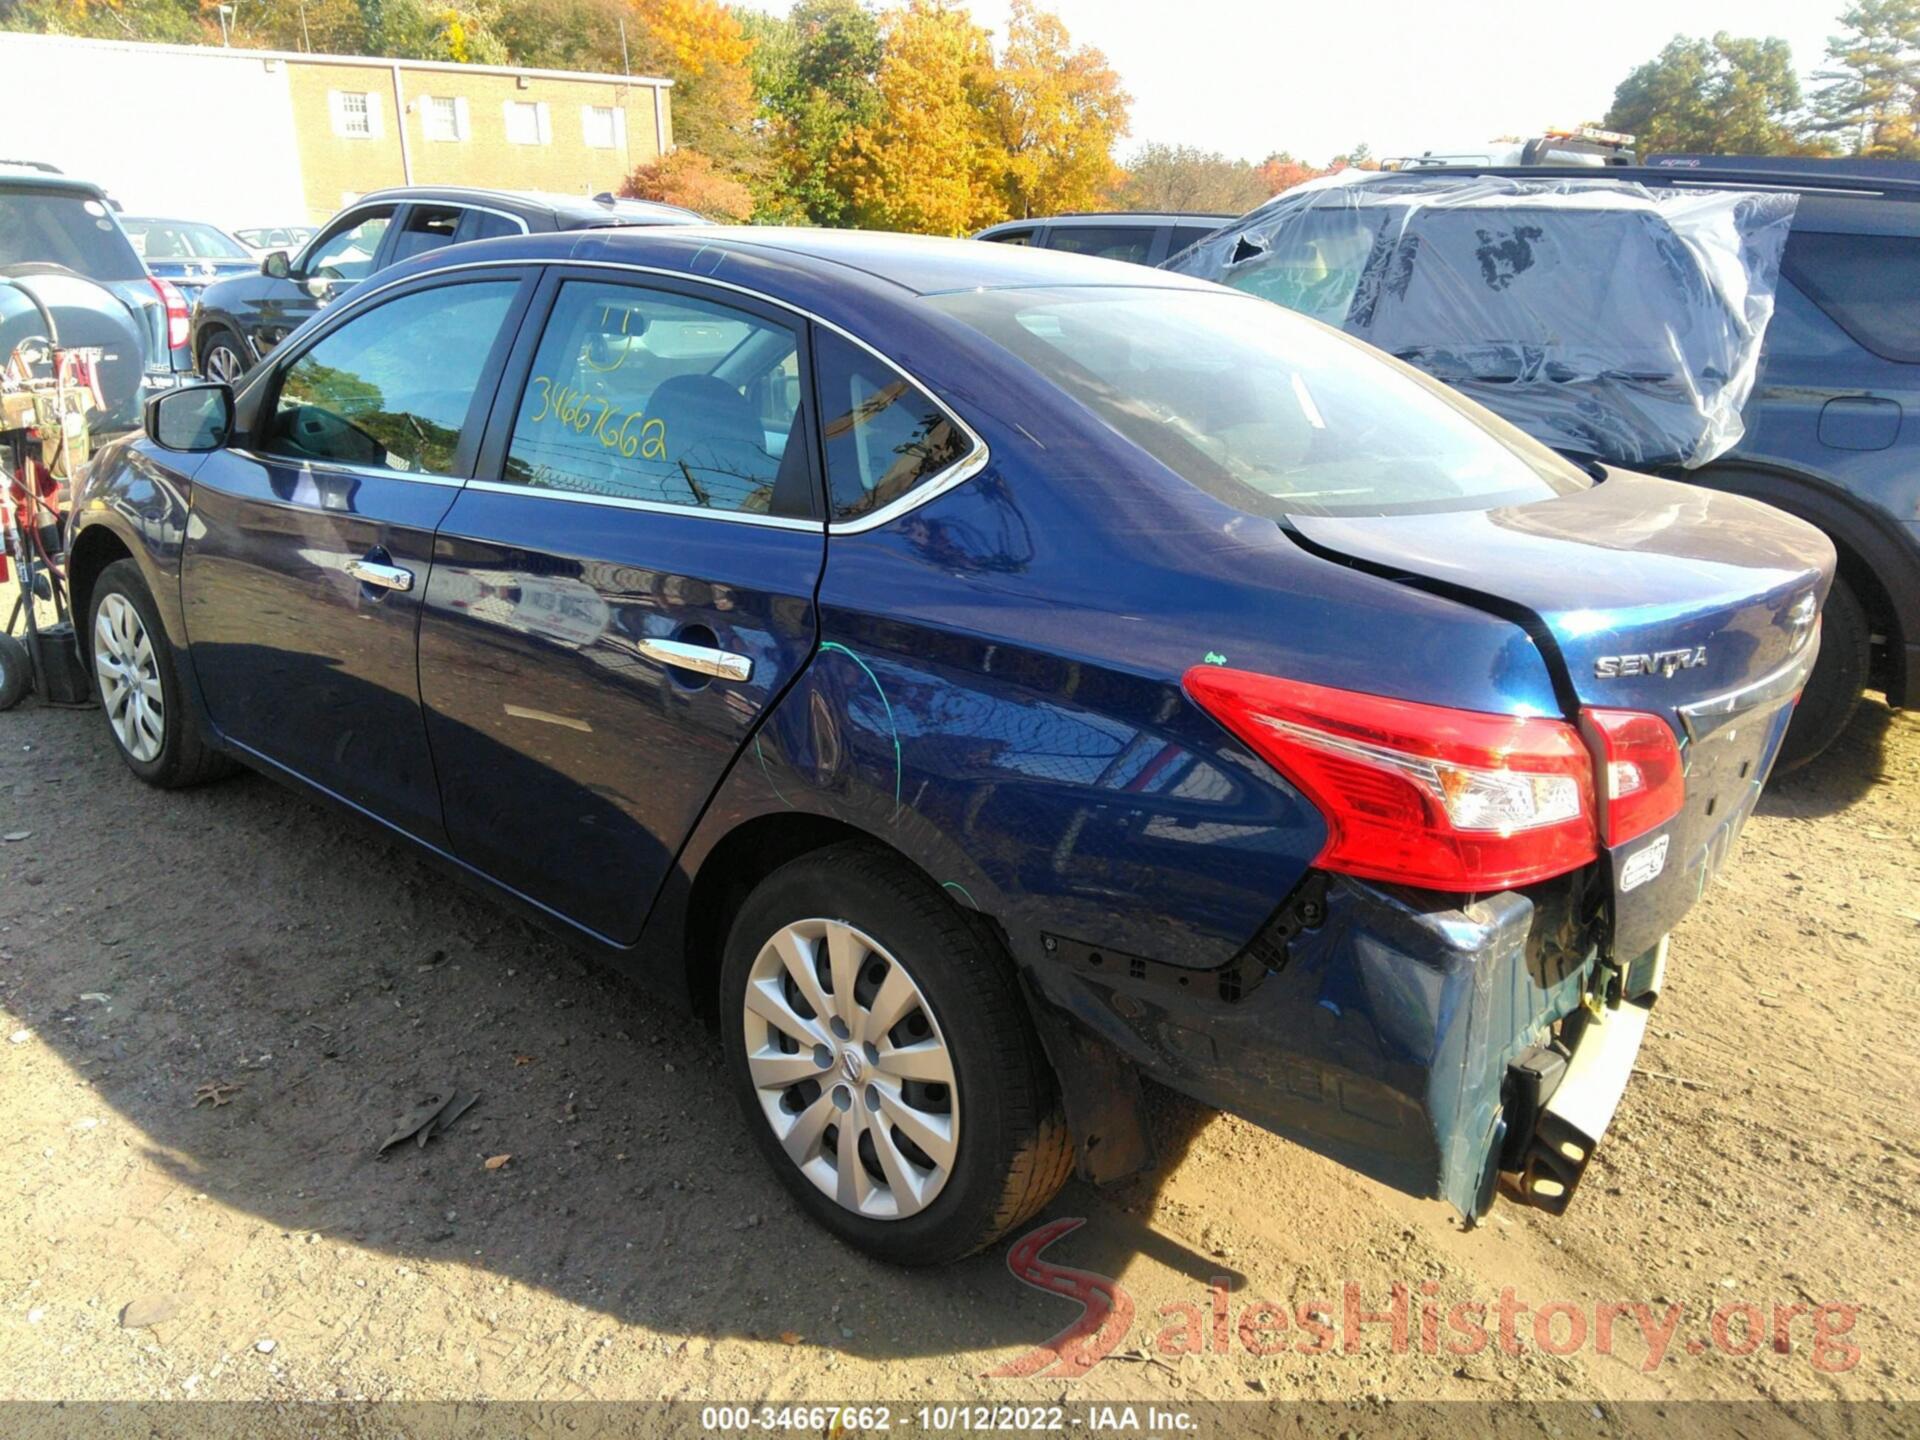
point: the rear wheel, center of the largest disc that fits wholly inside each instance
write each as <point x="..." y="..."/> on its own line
<point x="151" y="725"/>
<point x="886" y="1064"/>
<point x="1839" y="676"/>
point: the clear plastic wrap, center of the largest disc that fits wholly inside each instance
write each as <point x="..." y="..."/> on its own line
<point x="1605" y="318"/>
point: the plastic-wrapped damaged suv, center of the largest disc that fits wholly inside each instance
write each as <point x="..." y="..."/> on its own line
<point x="976" y="678"/>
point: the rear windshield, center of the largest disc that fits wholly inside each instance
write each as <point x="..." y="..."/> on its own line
<point x="1267" y="411"/>
<point x="58" y="227"/>
<point x="181" y="240"/>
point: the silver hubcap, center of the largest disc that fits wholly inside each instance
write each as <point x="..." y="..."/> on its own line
<point x="851" y="1069"/>
<point x="123" y="662"/>
<point x="222" y="364"/>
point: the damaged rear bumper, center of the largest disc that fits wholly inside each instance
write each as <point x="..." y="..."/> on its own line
<point x="1394" y="1033"/>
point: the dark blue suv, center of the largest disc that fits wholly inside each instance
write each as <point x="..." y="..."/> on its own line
<point x="1832" y="426"/>
<point x="977" y="677"/>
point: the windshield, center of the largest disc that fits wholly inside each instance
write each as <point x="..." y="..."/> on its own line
<point x="58" y="227"/>
<point x="175" y="240"/>
<point x="1267" y="411"/>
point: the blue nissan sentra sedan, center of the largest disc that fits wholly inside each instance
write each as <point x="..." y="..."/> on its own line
<point x="977" y="678"/>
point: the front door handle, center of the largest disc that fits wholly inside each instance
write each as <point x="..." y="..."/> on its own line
<point x="703" y="659"/>
<point x="383" y="577"/>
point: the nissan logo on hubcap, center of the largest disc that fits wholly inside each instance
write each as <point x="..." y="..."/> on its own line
<point x="850" y="1067"/>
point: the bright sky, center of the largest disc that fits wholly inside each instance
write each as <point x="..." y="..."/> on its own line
<point x="1248" y="77"/>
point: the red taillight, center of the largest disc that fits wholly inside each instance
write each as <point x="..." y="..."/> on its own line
<point x="1418" y="794"/>
<point x="1644" y="782"/>
<point x="179" y="319"/>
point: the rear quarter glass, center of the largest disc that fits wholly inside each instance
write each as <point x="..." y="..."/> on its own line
<point x="1262" y="409"/>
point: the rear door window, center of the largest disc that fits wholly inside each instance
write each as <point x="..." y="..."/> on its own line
<point x="487" y="225"/>
<point x="662" y="398"/>
<point x="426" y="228"/>
<point x="1133" y="243"/>
<point x="1869" y="285"/>
<point x="392" y="388"/>
<point x="1185" y="235"/>
<point x="885" y="437"/>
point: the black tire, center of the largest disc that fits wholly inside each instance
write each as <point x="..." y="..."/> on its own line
<point x="16" y="672"/>
<point x="184" y="757"/>
<point x="1012" y="1150"/>
<point x="235" y="353"/>
<point x="1839" y="676"/>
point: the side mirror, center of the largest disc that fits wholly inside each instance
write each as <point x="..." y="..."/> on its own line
<point x="276" y="266"/>
<point x="194" y="418"/>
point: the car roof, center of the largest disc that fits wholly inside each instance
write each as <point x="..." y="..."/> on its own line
<point x="914" y="264"/>
<point x="923" y="264"/>
<point x="568" y="211"/>
<point x="1893" y="179"/>
<point x="18" y="175"/>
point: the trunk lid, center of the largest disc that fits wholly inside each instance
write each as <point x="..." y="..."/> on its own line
<point x="1645" y="595"/>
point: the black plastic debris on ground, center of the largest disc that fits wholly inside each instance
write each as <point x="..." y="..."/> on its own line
<point x="433" y="1116"/>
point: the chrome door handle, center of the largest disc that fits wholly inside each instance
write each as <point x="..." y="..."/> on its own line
<point x="704" y="659"/>
<point x="386" y="577"/>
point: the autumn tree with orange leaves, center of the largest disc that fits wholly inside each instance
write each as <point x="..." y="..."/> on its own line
<point x="929" y="161"/>
<point x="1056" y="110"/>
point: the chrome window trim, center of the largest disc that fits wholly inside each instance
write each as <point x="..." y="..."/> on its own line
<point x="375" y="472"/>
<point x="936" y="485"/>
<point x="654" y="507"/>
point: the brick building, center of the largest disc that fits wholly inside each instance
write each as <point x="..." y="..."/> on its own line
<point x="294" y="136"/>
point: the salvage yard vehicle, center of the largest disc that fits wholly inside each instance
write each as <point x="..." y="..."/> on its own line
<point x="190" y="253"/>
<point x="977" y="677"/>
<point x="1143" y="237"/>
<point x="238" y="320"/>
<point x="1537" y="308"/>
<point x="262" y="240"/>
<point x="60" y="235"/>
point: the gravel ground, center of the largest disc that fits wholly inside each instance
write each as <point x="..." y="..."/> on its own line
<point x="218" y="1002"/>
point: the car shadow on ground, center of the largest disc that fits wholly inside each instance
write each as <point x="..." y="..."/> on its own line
<point x="1834" y="780"/>
<point x="249" y="938"/>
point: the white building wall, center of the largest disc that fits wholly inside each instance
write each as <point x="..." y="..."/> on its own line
<point x="192" y="134"/>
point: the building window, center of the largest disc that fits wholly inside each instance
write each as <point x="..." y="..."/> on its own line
<point x="527" y="123"/>
<point x="603" y="127"/>
<point x="356" y="113"/>
<point x="444" y="118"/>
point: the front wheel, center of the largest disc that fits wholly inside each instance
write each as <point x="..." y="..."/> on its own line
<point x="147" y="716"/>
<point x="223" y="358"/>
<point x="882" y="1054"/>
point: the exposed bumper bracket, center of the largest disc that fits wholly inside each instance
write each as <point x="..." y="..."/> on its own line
<point x="1575" y="1118"/>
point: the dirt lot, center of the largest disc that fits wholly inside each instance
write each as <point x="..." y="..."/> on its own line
<point x="633" y="1247"/>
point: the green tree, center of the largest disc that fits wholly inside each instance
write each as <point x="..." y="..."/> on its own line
<point x="1730" y="95"/>
<point x="815" y="72"/>
<point x="174" y="21"/>
<point x="1057" y="112"/>
<point x="1870" y="95"/>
